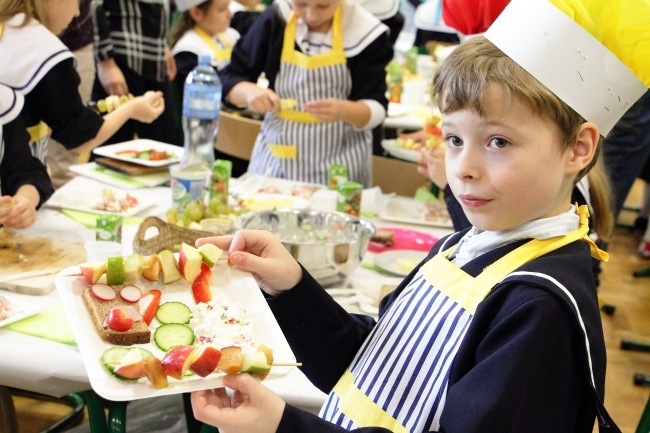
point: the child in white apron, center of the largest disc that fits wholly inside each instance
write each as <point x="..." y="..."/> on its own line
<point x="24" y="182"/>
<point x="202" y="28"/>
<point x="328" y="60"/>
<point x="39" y="66"/>
<point x="498" y="329"/>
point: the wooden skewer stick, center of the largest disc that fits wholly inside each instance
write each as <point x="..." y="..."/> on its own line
<point x="286" y="364"/>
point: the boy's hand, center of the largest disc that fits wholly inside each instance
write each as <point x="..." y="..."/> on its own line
<point x="263" y="255"/>
<point x="17" y="212"/>
<point x="262" y="100"/>
<point x="253" y="408"/>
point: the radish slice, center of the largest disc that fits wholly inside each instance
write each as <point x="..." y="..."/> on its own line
<point x="103" y="292"/>
<point x="130" y="294"/>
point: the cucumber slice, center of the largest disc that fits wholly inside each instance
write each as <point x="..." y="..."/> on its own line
<point x="112" y="357"/>
<point x="173" y="312"/>
<point x="173" y="334"/>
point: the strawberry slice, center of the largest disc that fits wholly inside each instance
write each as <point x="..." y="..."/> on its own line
<point x="201" y="285"/>
<point x="149" y="303"/>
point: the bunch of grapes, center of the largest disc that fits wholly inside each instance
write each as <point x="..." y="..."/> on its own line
<point x="195" y="211"/>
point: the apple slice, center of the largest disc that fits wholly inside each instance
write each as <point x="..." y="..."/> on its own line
<point x="130" y="294"/>
<point x="119" y="320"/>
<point x="103" y="292"/>
<point x="155" y="373"/>
<point x="178" y="360"/>
<point x="201" y="286"/>
<point x="230" y="362"/>
<point x="189" y="261"/>
<point x="133" y="267"/>
<point x="169" y="267"/>
<point x="255" y="363"/>
<point x="151" y="270"/>
<point x="93" y="271"/>
<point x="131" y="366"/>
<point x="206" y="360"/>
<point x="210" y="254"/>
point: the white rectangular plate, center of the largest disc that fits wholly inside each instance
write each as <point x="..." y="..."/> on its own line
<point x="20" y="308"/>
<point x="111" y="177"/>
<point x="407" y="210"/>
<point x="113" y="151"/>
<point x="230" y="285"/>
<point x="83" y="195"/>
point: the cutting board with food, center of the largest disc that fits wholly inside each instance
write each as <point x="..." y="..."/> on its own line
<point x="28" y="256"/>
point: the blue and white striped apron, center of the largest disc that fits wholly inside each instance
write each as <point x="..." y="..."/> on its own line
<point x="398" y="379"/>
<point x="293" y="144"/>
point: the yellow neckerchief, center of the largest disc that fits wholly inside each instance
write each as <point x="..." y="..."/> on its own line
<point x="291" y="55"/>
<point x="468" y="292"/>
<point x="219" y="54"/>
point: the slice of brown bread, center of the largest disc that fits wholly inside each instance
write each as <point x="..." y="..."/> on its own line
<point x="139" y="332"/>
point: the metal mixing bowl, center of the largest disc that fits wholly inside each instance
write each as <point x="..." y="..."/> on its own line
<point x="330" y="245"/>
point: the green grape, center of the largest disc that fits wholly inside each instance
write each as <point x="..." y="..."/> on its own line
<point x="214" y="204"/>
<point x="172" y="216"/>
<point x="193" y="213"/>
<point x="184" y="221"/>
<point x="209" y="213"/>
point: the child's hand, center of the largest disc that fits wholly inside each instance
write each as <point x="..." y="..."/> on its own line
<point x="432" y="165"/>
<point x="417" y="136"/>
<point x="17" y="212"/>
<point x="253" y="408"/>
<point x="262" y="254"/>
<point x="327" y="110"/>
<point x="262" y="100"/>
<point x="148" y="107"/>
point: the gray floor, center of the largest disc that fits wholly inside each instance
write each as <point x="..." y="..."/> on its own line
<point x="152" y="415"/>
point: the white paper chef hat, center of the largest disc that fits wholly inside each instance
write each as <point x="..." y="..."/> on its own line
<point x="593" y="54"/>
<point x="186" y="5"/>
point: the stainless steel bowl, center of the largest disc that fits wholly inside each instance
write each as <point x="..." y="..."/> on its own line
<point x="330" y="245"/>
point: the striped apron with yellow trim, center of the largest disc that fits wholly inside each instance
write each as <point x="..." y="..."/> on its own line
<point x="222" y="51"/>
<point x="293" y="144"/>
<point x="398" y="379"/>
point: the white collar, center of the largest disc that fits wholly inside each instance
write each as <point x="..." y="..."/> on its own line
<point x="477" y="242"/>
<point x="360" y="27"/>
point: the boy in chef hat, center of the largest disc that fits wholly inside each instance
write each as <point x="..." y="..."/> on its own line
<point x="498" y="329"/>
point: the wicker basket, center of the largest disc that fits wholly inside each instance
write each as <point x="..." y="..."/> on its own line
<point x="169" y="236"/>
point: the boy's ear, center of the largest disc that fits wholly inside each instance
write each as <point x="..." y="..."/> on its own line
<point x="584" y="149"/>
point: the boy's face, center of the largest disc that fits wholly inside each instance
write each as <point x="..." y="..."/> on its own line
<point x="216" y="19"/>
<point x="59" y="13"/>
<point x="317" y="14"/>
<point x="508" y="168"/>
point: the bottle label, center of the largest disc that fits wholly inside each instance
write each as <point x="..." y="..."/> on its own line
<point x="201" y="101"/>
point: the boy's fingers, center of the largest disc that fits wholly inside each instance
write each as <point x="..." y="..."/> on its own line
<point x="243" y="383"/>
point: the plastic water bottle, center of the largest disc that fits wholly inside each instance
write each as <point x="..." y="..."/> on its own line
<point x="201" y="101"/>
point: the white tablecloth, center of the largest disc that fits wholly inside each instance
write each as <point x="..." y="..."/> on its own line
<point x="52" y="368"/>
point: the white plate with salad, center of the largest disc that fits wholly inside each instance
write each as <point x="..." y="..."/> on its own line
<point x="142" y="151"/>
<point x="233" y="287"/>
<point x="87" y="195"/>
<point x="14" y="308"/>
